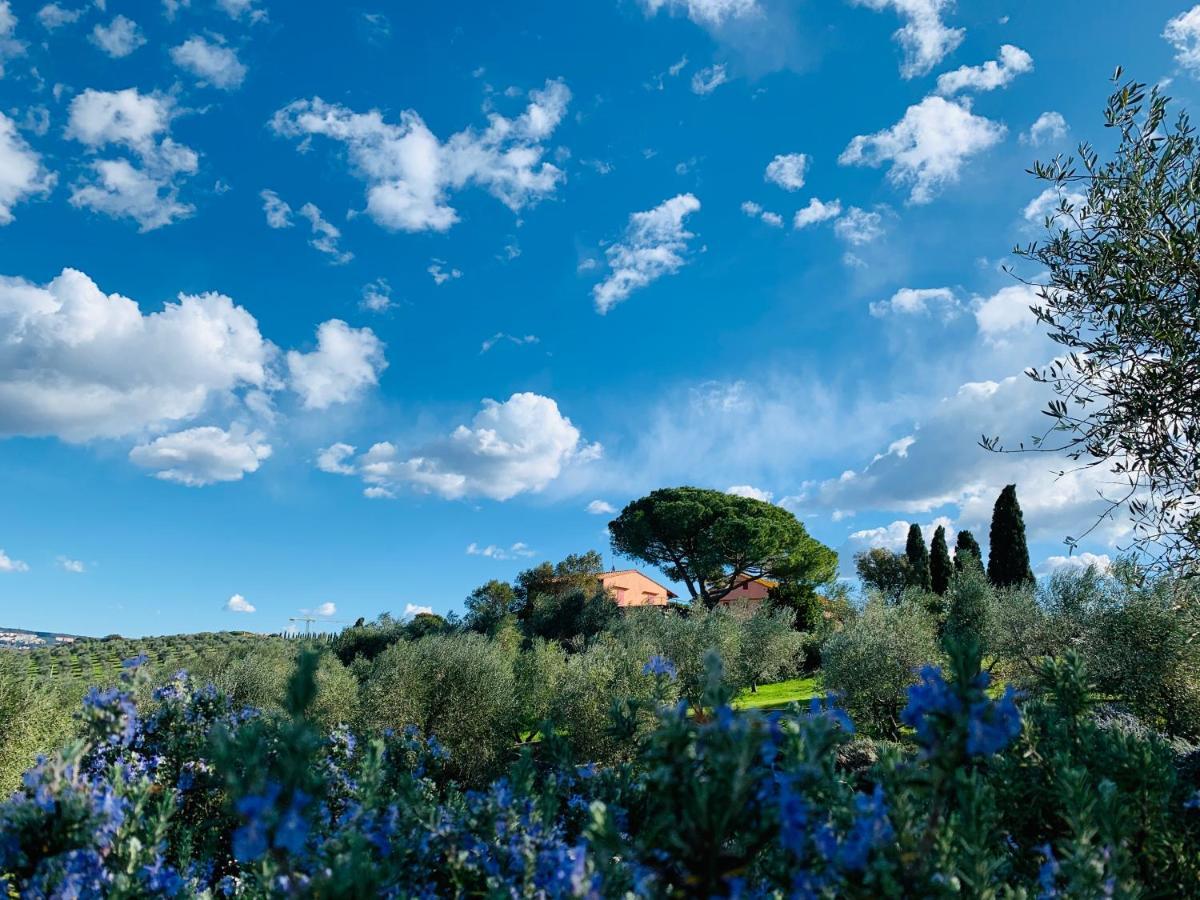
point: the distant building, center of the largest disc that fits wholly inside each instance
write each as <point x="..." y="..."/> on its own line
<point x="629" y="587"/>
<point x="748" y="594"/>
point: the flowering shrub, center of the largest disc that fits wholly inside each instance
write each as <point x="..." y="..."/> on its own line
<point x="189" y="796"/>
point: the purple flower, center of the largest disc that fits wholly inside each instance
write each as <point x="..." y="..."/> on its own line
<point x="660" y="665"/>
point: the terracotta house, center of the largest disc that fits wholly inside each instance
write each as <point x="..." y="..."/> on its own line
<point x="748" y="594"/>
<point x="629" y="587"/>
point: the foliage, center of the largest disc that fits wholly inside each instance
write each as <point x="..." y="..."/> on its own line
<point x="711" y="541"/>
<point x="873" y="660"/>
<point x="917" y="555"/>
<point x="190" y="796"/>
<point x="805" y="604"/>
<point x="970" y="605"/>
<point x="966" y="548"/>
<point x="34" y="720"/>
<point x="573" y="616"/>
<point x="883" y="570"/>
<point x="941" y="569"/>
<point x="1008" y="554"/>
<point x="489" y="605"/>
<point x="770" y="648"/>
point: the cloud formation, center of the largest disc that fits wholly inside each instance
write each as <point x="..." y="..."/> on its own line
<point x="22" y="174"/>
<point x="345" y="363"/>
<point x="787" y="170"/>
<point x="924" y="37"/>
<point x="655" y="244"/>
<point x="199" y="456"/>
<point x="992" y="74"/>
<point x="210" y="62"/>
<point x="239" y="604"/>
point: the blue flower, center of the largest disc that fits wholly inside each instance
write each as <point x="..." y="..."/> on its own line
<point x="660" y="665"/>
<point x="993" y="725"/>
<point x="293" y="827"/>
<point x="827" y="706"/>
<point x="135" y="661"/>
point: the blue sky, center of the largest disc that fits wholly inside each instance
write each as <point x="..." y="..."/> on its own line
<point x="351" y="308"/>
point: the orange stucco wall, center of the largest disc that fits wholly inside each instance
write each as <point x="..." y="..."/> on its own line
<point x="632" y="588"/>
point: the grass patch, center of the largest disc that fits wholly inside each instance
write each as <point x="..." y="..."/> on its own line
<point x="770" y="696"/>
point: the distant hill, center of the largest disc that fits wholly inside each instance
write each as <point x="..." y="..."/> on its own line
<point x="24" y="639"/>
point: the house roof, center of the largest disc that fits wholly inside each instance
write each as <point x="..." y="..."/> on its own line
<point x="670" y="593"/>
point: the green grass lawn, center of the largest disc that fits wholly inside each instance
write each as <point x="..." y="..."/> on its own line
<point x="769" y="696"/>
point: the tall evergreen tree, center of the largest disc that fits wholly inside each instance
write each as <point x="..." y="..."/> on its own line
<point x="918" y="558"/>
<point x="966" y="544"/>
<point x="1008" y="557"/>
<point x="941" y="570"/>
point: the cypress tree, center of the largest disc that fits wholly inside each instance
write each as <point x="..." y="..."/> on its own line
<point x="1008" y="559"/>
<point x="918" y="558"/>
<point x="941" y="570"/>
<point x="966" y="543"/>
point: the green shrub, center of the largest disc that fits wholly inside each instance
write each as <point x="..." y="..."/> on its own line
<point x="873" y="660"/>
<point x="33" y="720"/>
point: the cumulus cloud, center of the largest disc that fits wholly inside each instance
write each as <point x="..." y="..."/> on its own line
<point x="1049" y="128"/>
<point x="1183" y="33"/>
<point x="53" y="16"/>
<point x="654" y="244"/>
<point x="917" y="301"/>
<point x="601" y="508"/>
<point x="377" y="296"/>
<point x="325" y="235"/>
<point x="8" y="564"/>
<point x="491" y="551"/>
<point x="510" y="448"/>
<point x="1048" y="202"/>
<point x="787" y="170"/>
<point x="75" y="566"/>
<point x="239" y="604"/>
<point x="148" y="192"/>
<point x="749" y="490"/>
<point x="22" y="174"/>
<point x="1076" y="562"/>
<point x="10" y="47"/>
<point x="705" y="12"/>
<point x="410" y="174"/>
<point x="205" y="455"/>
<point x="210" y="62"/>
<point x="277" y="210"/>
<point x="238" y="9"/>
<point x="345" y="363"/>
<point x="413" y="609"/>
<point x="755" y="211"/>
<point x="708" y="79"/>
<point x="924" y="37"/>
<point x="440" y="274"/>
<point x="894" y="536"/>
<point x="995" y="73"/>
<point x="816" y="211"/>
<point x="329" y="608"/>
<point x="1006" y="314"/>
<point x="92" y="365"/>
<point x="118" y="38"/>
<point x="927" y="148"/>
<point x="859" y="226"/>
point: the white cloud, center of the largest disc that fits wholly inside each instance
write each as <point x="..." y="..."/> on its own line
<point x="708" y="79"/>
<point x="1006" y="313"/>
<point x="53" y="16"/>
<point x="139" y="123"/>
<point x="239" y="604"/>
<point x="992" y="74"/>
<point x="601" y="508"/>
<point x="325" y="235"/>
<point x="410" y="173"/>
<point x="118" y="38"/>
<point x="74" y="566"/>
<point x="22" y="174"/>
<point x="754" y="211"/>
<point x="278" y="212"/>
<point x="1049" y="128"/>
<point x="211" y="62"/>
<point x="91" y="365"/>
<point x="1076" y="562"/>
<point x="333" y="459"/>
<point x="653" y="245"/>
<point x="8" y="564"/>
<point x="858" y="226"/>
<point x="925" y="38"/>
<point x="413" y="609"/>
<point x="10" y="47"/>
<point x="928" y="147"/>
<point x="787" y="170"/>
<point x="346" y="362"/>
<point x="918" y="301"/>
<point x="172" y="7"/>
<point x="491" y="551"/>
<point x="204" y="455"/>
<point x="817" y="211"/>
<point x="749" y="490"/>
<point x="510" y="448"/>
<point x="440" y="274"/>
<point x="377" y="296"/>
<point x="894" y="536"/>
<point x="1047" y="203"/>
<point x="499" y="336"/>
<point x="705" y="12"/>
<point x="1183" y="33"/>
<point x="235" y="9"/>
<point x="326" y="609"/>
